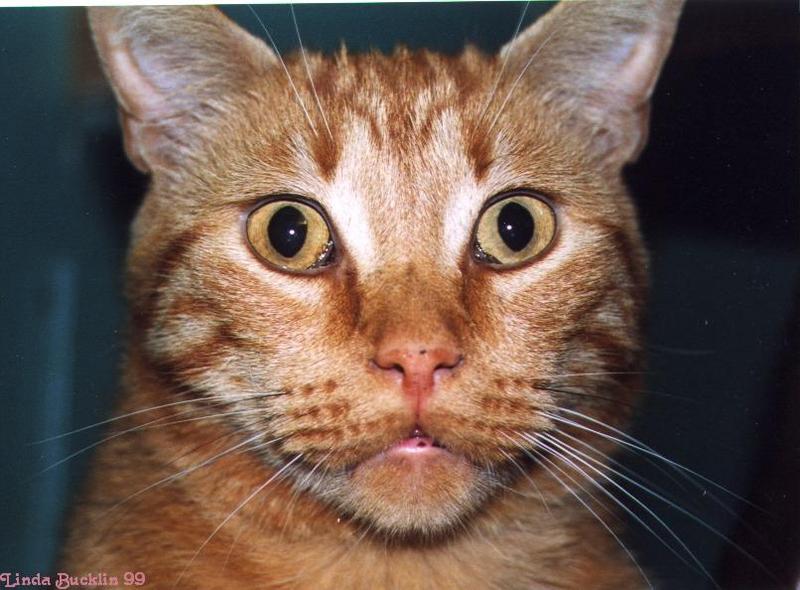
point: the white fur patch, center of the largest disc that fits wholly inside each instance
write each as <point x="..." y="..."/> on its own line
<point x="346" y="205"/>
<point x="458" y="220"/>
<point x="572" y="238"/>
<point x="346" y="208"/>
<point x="298" y="288"/>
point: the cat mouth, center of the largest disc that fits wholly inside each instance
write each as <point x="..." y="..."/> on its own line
<point x="415" y="485"/>
<point x="417" y="448"/>
<point x="417" y="443"/>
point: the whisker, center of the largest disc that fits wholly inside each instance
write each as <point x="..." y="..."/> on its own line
<point x="724" y="538"/>
<point x="612" y="461"/>
<point x="308" y="72"/>
<point x="184" y="472"/>
<point x="150" y="425"/>
<point x="566" y="449"/>
<point x="682" y="351"/>
<point x="292" y="501"/>
<point x="638" y="519"/>
<point x="262" y="445"/>
<point x="686" y="473"/>
<point x="285" y="69"/>
<point x="152" y="409"/>
<point x="545" y="384"/>
<point x="596" y="374"/>
<point x="490" y="97"/>
<point x="583" y="394"/>
<point x="635" y="444"/>
<point x="581" y="487"/>
<point x="517" y="80"/>
<point x="96" y="444"/>
<point x="234" y="513"/>
<point x="230" y="550"/>
<point x="539" y="458"/>
<point x="525" y="474"/>
<point x="239" y="412"/>
<point x="112" y="525"/>
<point x="297" y="490"/>
<point x="327" y="565"/>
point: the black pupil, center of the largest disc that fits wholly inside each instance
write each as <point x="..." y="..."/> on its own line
<point x="515" y="225"/>
<point x="287" y="231"/>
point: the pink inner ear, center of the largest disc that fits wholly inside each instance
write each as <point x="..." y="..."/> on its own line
<point x="136" y="95"/>
<point x="638" y="73"/>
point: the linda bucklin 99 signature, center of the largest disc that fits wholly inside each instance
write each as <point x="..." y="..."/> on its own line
<point x="63" y="580"/>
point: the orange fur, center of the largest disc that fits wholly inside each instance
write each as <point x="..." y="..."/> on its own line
<point x="402" y="154"/>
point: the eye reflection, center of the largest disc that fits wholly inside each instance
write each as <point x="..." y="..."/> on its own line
<point x="290" y="235"/>
<point x="287" y="231"/>
<point x="513" y="230"/>
<point x="516" y="226"/>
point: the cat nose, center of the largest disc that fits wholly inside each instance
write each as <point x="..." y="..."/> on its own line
<point x="418" y="365"/>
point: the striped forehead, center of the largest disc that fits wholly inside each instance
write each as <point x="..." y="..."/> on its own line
<point x="403" y="198"/>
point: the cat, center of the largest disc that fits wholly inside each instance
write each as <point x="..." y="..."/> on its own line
<point x="385" y="310"/>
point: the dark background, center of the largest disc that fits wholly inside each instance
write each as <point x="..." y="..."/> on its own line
<point x="719" y="194"/>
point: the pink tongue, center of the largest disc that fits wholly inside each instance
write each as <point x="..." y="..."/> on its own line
<point x="414" y="444"/>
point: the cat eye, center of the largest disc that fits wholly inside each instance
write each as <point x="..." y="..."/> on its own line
<point x="291" y="235"/>
<point x="513" y="229"/>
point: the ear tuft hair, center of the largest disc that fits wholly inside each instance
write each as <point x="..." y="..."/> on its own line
<point x="166" y="62"/>
<point x="597" y="62"/>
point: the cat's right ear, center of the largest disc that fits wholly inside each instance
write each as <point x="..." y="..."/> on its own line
<point x="595" y="62"/>
<point x="171" y="67"/>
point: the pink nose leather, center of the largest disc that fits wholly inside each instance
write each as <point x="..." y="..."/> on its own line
<point x="417" y="364"/>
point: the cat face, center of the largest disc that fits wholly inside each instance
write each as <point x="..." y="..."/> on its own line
<point x="392" y="271"/>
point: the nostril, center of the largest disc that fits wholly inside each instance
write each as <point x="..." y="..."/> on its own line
<point x="445" y="368"/>
<point x="450" y="362"/>
<point x="388" y="367"/>
<point x="419" y="368"/>
<point x="417" y="363"/>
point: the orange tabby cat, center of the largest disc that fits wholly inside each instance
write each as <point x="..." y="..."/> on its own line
<point x="376" y="303"/>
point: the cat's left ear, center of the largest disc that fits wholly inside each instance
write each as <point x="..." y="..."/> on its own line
<point x="595" y="62"/>
<point x="170" y="68"/>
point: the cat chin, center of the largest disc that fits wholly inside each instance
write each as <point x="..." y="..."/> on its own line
<point x="409" y="491"/>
